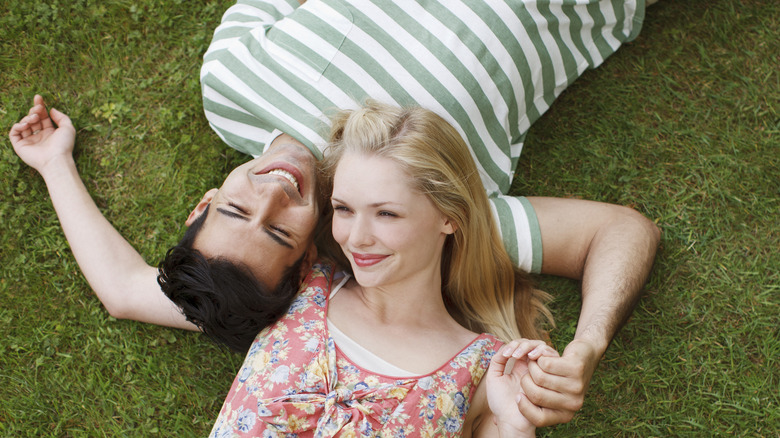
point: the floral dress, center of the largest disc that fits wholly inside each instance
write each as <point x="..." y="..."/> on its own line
<point x="295" y="382"/>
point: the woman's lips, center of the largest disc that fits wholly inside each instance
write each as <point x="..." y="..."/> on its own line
<point x="365" y="260"/>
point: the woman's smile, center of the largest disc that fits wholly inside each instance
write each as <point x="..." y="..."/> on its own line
<point x="366" y="260"/>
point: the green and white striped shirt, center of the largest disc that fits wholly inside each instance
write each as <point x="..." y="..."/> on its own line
<point x="491" y="68"/>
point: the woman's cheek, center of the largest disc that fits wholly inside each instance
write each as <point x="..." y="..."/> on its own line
<point x="340" y="230"/>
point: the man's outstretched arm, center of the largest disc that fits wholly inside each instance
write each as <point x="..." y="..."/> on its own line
<point x="611" y="249"/>
<point x="123" y="281"/>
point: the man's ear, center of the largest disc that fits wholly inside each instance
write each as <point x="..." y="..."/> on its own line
<point x="309" y="257"/>
<point x="201" y="207"/>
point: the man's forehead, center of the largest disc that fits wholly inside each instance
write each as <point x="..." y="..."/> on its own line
<point x="266" y="264"/>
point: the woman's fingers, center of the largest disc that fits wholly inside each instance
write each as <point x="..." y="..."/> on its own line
<point x="531" y="347"/>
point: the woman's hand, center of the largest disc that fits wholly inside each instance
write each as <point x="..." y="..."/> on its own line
<point x="41" y="137"/>
<point x="504" y="389"/>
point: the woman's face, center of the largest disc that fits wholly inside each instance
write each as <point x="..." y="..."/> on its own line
<point x="389" y="232"/>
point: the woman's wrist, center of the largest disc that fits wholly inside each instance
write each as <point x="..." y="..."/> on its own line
<point x="513" y="429"/>
<point x="508" y="431"/>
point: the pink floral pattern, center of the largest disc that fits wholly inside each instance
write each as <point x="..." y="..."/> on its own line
<point x="294" y="382"/>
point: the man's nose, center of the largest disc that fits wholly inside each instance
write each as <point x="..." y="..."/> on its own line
<point x="271" y="195"/>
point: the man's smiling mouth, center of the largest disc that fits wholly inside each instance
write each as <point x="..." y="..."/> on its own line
<point x="285" y="174"/>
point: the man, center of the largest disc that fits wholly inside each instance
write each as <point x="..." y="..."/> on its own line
<point x="274" y="70"/>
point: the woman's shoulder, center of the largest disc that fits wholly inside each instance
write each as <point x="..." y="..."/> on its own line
<point x="481" y="347"/>
<point x="473" y="340"/>
<point x="322" y="274"/>
<point x="322" y="279"/>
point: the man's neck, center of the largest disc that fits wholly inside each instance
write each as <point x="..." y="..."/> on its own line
<point x="286" y="139"/>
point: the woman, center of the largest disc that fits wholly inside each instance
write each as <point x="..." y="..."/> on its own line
<point x="395" y="350"/>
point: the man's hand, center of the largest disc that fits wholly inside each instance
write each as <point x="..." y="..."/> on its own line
<point x="41" y="138"/>
<point x="555" y="386"/>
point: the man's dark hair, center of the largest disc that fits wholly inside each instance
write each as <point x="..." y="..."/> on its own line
<point x="224" y="299"/>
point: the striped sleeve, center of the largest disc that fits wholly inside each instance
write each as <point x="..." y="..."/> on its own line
<point x="247" y="15"/>
<point x="224" y="92"/>
<point x="520" y="231"/>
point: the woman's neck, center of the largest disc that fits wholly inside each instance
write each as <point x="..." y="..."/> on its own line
<point x="403" y="302"/>
<point x="407" y="327"/>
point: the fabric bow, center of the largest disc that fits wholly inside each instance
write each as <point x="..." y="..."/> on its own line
<point x="338" y="411"/>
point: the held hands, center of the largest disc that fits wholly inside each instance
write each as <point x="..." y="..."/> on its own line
<point x="504" y="388"/>
<point x="555" y="387"/>
<point x="41" y="138"/>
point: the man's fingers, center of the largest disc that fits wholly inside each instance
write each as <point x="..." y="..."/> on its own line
<point x="16" y="131"/>
<point x="30" y="125"/>
<point x="59" y="118"/>
<point x="548" y="381"/>
<point x="561" y="366"/>
<point x="33" y="120"/>
<point x="542" y="417"/>
<point x="550" y="399"/>
<point x="21" y="130"/>
<point x="36" y="120"/>
<point x="39" y="107"/>
<point x="39" y="110"/>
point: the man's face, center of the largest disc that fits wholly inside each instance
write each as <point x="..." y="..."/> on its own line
<point x="265" y="213"/>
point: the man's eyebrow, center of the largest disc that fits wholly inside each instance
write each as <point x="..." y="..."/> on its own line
<point x="232" y="214"/>
<point x="277" y="239"/>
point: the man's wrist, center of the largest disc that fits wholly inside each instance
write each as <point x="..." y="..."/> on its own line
<point x="597" y="343"/>
<point x="57" y="167"/>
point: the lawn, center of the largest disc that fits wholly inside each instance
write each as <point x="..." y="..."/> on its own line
<point x="682" y="124"/>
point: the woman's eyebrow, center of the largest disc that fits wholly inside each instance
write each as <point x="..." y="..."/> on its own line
<point x="374" y="205"/>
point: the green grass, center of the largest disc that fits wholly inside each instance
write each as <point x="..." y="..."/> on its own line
<point x="681" y="124"/>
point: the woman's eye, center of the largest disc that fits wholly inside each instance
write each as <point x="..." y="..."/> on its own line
<point x="387" y="214"/>
<point x="340" y="208"/>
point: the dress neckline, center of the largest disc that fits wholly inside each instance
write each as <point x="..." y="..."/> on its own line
<point x="332" y="290"/>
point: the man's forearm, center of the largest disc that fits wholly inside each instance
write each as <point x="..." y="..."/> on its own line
<point x="615" y="271"/>
<point x="122" y="280"/>
<point x="611" y="250"/>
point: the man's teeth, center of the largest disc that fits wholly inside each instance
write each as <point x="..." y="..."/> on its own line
<point x="285" y="174"/>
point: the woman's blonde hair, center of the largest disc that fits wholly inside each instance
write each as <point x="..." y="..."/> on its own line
<point x="481" y="287"/>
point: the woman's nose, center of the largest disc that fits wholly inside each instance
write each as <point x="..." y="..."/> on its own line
<point x="360" y="234"/>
